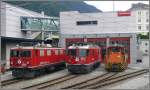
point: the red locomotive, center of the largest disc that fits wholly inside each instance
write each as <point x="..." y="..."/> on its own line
<point x="32" y="61"/>
<point x="83" y="59"/>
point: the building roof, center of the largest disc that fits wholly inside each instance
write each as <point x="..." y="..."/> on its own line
<point x="139" y="6"/>
<point x="20" y="39"/>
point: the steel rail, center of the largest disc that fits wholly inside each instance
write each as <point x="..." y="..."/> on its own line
<point x="10" y="81"/>
<point x="86" y="81"/>
<point x="49" y="81"/>
<point x="117" y="79"/>
<point x="49" y="84"/>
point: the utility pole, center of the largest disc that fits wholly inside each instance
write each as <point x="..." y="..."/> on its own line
<point x="113" y="6"/>
<point x="0" y="38"/>
<point x="42" y="31"/>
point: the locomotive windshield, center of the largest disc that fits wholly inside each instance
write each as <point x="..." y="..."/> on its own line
<point x="14" y="53"/>
<point x="114" y="49"/>
<point x="72" y="52"/>
<point x="23" y="53"/>
<point x="83" y="52"/>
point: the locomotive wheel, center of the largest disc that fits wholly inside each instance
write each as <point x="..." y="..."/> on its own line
<point x="96" y="65"/>
<point x="123" y="66"/>
<point x="61" y="66"/>
<point x="108" y="67"/>
<point x="80" y="69"/>
<point x="30" y="75"/>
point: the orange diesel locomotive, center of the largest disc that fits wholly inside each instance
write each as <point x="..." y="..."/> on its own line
<point x="83" y="59"/>
<point x="116" y="58"/>
<point x="33" y="61"/>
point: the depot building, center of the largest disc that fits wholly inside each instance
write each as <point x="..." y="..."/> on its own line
<point x="104" y="29"/>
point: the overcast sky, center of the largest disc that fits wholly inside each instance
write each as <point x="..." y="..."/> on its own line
<point x="119" y="5"/>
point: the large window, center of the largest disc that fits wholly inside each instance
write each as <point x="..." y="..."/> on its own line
<point x="147" y="20"/>
<point x="139" y="13"/>
<point x="139" y="20"/>
<point x="147" y="27"/>
<point x="32" y="23"/>
<point x="86" y="22"/>
<point x="139" y="27"/>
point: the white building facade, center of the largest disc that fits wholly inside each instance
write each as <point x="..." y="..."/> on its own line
<point x="142" y="20"/>
<point x="142" y="16"/>
<point x="144" y="46"/>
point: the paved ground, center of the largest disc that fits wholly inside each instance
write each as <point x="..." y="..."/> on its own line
<point x="140" y="82"/>
<point x="6" y="76"/>
<point x="143" y="64"/>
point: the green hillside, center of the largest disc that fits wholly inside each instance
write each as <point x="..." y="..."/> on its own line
<point x="52" y="8"/>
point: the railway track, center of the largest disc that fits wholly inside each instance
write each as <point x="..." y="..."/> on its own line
<point x="14" y="80"/>
<point x="51" y="82"/>
<point x="91" y="81"/>
<point x="10" y="81"/>
<point x="99" y="82"/>
<point x="118" y="79"/>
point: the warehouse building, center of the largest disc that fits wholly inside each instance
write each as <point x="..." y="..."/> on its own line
<point x="103" y="29"/>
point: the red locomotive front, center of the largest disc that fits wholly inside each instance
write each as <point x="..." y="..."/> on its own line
<point x="20" y="58"/>
<point x="83" y="59"/>
<point x="33" y="61"/>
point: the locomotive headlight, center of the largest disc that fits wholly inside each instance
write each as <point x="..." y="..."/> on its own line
<point x="27" y="62"/>
<point x="11" y="62"/>
<point x="118" y="56"/>
<point x="77" y="59"/>
<point x="19" y="61"/>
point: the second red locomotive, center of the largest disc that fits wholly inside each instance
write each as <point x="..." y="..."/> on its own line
<point x="83" y="59"/>
<point x="32" y="61"/>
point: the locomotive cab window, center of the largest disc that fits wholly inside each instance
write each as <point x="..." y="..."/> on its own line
<point x="26" y="53"/>
<point x="115" y="49"/>
<point x="14" y="53"/>
<point x="23" y="53"/>
<point x="72" y="52"/>
<point x="83" y="52"/>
